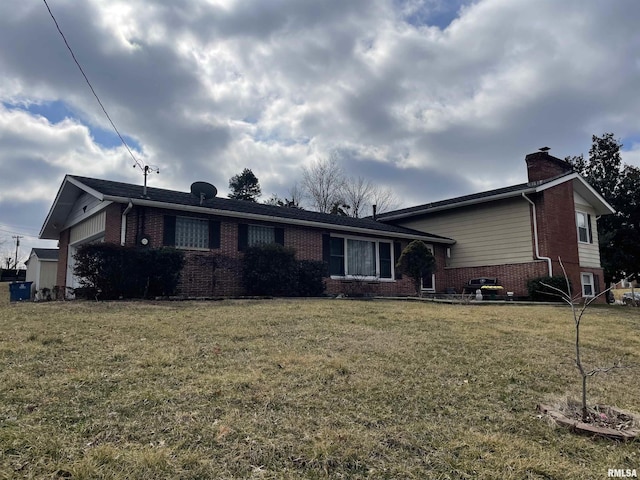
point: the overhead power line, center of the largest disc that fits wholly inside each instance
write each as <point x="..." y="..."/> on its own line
<point x="142" y="167"/>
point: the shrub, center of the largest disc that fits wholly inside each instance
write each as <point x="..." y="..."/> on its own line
<point x="416" y="261"/>
<point x="112" y="271"/>
<point x="541" y="293"/>
<point x="311" y="275"/>
<point x="269" y="270"/>
<point x="273" y="270"/>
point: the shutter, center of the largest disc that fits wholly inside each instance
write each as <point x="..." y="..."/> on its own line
<point x="214" y="234"/>
<point x="589" y="233"/>
<point x="326" y="251"/>
<point x="243" y="236"/>
<point x="169" y="231"/>
<point x="397" y="251"/>
<point x="596" y="284"/>
<point x="278" y="234"/>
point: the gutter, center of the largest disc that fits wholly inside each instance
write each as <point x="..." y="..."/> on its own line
<point x="123" y="225"/>
<point x="535" y="236"/>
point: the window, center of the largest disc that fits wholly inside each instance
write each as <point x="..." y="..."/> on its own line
<point x="336" y="263"/>
<point x="587" y="284"/>
<point x="359" y="257"/>
<point x="256" y="235"/>
<point x="583" y="222"/>
<point x="192" y="233"/>
<point x="260" y="235"/>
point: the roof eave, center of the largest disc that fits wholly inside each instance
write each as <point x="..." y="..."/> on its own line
<point x="475" y="201"/>
<point x="275" y="219"/>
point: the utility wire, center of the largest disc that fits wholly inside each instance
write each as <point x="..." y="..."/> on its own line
<point x="91" y="87"/>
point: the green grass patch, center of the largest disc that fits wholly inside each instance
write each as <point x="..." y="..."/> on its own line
<point x="303" y="389"/>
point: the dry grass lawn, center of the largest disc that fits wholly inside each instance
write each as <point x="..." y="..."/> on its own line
<point x="303" y="389"/>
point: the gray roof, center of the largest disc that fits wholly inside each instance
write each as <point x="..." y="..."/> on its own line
<point x="46" y="253"/>
<point x="124" y="192"/>
<point x="579" y="183"/>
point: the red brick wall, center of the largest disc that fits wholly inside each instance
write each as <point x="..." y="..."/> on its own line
<point x="513" y="277"/>
<point x="197" y="278"/>
<point x="63" y="246"/>
<point x="541" y="166"/>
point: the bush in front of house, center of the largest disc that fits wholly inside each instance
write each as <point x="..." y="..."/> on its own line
<point x="542" y="293"/>
<point x="109" y="271"/>
<point x="273" y="270"/>
<point x="311" y="274"/>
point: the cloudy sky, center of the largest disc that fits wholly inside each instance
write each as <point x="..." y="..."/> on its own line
<point x="432" y="98"/>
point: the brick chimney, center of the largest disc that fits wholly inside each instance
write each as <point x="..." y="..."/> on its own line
<point x="542" y="166"/>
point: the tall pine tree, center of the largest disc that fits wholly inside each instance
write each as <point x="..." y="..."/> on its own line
<point x="245" y="186"/>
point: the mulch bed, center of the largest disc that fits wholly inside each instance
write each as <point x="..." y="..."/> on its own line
<point x="603" y="420"/>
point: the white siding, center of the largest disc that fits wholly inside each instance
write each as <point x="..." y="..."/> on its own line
<point x="493" y="233"/>
<point x="588" y="253"/>
<point x="84" y="207"/>
<point x="91" y="227"/>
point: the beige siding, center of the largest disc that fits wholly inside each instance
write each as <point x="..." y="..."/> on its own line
<point x="48" y="271"/>
<point x="88" y="228"/>
<point x="588" y="253"/>
<point x="494" y="233"/>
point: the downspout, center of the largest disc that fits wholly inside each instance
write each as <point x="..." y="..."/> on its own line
<point x="123" y="225"/>
<point x="535" y="235"/>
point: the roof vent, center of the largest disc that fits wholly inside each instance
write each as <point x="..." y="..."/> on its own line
<point x="544" y="149"/>
<point x="203" y="190"/>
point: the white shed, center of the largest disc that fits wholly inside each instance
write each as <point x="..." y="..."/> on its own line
<point x="42" y="268"/>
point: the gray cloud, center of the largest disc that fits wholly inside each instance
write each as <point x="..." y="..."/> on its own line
<point x="430" y="102"/>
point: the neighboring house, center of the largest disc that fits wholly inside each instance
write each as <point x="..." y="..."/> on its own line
<point x="513" y="233"/>
<point x="519" y="232"/>
<point x="361" y="253"/>
<point x="42" y="268"/>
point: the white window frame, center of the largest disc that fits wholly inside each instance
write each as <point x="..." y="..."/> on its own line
<point x="591" y="284"/>
<point x="201" y="221"/>
<point x="585" y="215"/>
<point x="376" y="277"/>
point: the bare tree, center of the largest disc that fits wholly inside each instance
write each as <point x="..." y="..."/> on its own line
<point x="358" y="194"/>
<point x="322" y="181"/>
<point x="384" y="199"/>
<point x="578" y="312"/>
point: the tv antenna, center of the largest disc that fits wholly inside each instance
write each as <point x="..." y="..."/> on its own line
<point x="145" y="171"/>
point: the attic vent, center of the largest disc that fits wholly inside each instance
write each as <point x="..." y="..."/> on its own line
<point x="203" y="190"/>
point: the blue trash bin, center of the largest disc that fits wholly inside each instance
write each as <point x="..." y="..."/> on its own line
<point x="20" y="291"/>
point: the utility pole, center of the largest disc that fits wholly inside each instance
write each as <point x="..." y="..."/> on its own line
<point x="17" y="237"/>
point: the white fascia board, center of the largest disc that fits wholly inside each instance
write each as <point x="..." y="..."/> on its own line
<point x="596" y="200"/>
<point x="89" y="190"/>
<point x="269" y="218"/>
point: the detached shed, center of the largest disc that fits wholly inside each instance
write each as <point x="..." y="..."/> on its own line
<point x="42" y="268"/>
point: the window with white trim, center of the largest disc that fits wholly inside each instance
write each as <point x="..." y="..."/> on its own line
<point x="359" y="257"/>
<point x="192" y="233"/>
<point x="583" y="223"/>
<point x="586" y="279"/>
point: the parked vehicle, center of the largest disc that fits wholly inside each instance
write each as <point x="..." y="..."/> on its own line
<point x="628" y="299"/>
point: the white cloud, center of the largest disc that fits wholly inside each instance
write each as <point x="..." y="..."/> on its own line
<point x="432" y="107"/>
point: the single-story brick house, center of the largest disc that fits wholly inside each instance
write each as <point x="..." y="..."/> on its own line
<point x="513" y="233"/>
<point x="361" y="253"/>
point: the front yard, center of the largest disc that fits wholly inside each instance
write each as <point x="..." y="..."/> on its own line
<point x="304" y="389"/>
